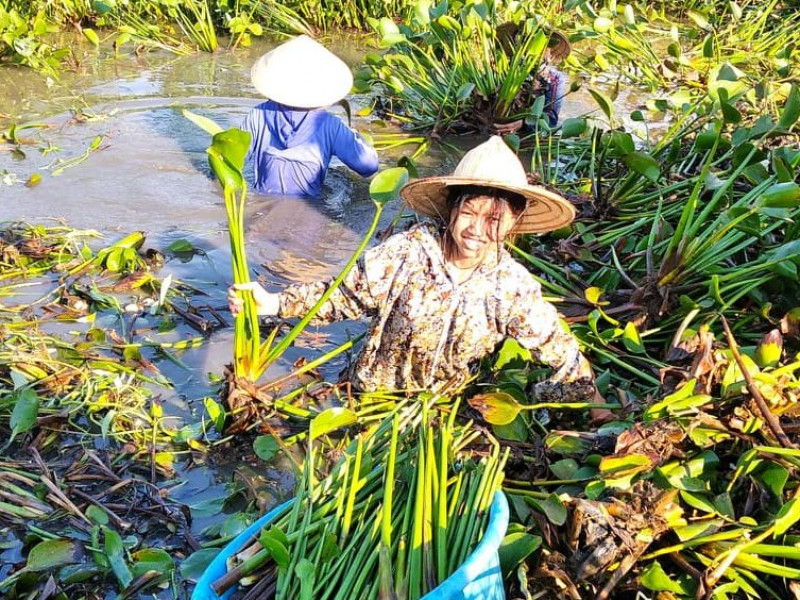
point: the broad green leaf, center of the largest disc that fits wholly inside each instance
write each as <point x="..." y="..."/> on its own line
<point x="53" y="553"/>
<point x="465" y="91"/>
<point x="511" y="353"/>
<point x="182" y="245"/>
<point x="631" y="339"/>
<point x="202" y="122"/>
<point x="564" y="468"/>
<point x="331" y="420"/>
<point x="780" y="195"/>
<point x="730" y="113"/>
<point x="655" y="578"/>
<point x="91" y="35"/>
<point x="97" y="515"/>
<point x="306" y="573"/>
<point x="699" y="18"/>
<point x="195" y="565"/>
<point x="567" y="445"/>
<point x="772" y="477"/>
<point x="593" y="294"/>
<point x="386" y="185"/>
<point x="115" y="552"/>
<point x="26" y="409"/>
<point x="274" y="540"/>
<point x="497" y="408"/>
<point x="573" y="127"/>
<point x="552" y="507"/>
<point x="152" y="559"/>
<point x="515" y="548"/>
<point x="227" y="153"/>
<point x="603" y="101"/>
<point x="216" y="413"/>
<point x="266" y="447"/>
<point x="626" y="465"/>
<point x="621" y="141"/>
<point x="644" y="164"/>
<point x="787" y="516"/>
<point x="698" y="501"/>
<point x="791" y="110"/>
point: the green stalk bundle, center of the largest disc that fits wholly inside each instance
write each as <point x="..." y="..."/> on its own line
<point x="399" y="512"/>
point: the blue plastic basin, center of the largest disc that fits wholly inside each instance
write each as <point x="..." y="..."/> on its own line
<point x="478" y="578"/>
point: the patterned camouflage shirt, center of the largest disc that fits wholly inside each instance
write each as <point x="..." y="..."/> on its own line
<point x="427" y="331"/>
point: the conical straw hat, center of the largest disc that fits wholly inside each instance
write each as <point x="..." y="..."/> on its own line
<point x="492" y="164"/>
<point x="302" y="73"/>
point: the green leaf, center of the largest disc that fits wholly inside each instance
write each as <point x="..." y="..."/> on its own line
<point x="386" y="185"/>
<point x="202" y="122"/>
<point x="573" y="127"/>
<point x="772" y="477"/>
<point x="552" y="507"/>
<point x="115" y="552"/>
<point x="465" y="91"/>
<point x="631" y="339"/>
<point x="26" y="409"/>
<point x="53" y="553"/>
<point x="564" y="468"/>
<point x="729" y="112"/>
<point x="152" y="559"/>
<point x="216" y="413"/>
<point x="515" y="548"/>
<point x="567" y="444"/>
<point x="181" y="246"/>
<point x="787" y="516"/>
<point x="791" y="110"/>
<point x="497" y="408"/>
<point x="266" y="447"/>
<point x="97" y="515"/>
<point x="91" y="35"/>
<point x="195" y="565"/>
<point x="655" y="578"/>
<point x="644" y="164"/>
<point x="512" y="353"/>
<point x="331" y="420"/>
<point x="275" y="541"/>
<point x="226" y="156"/>
<point x="780" y="195"/>
<point x="306" y="573"/>
<point x="603" y="101"/>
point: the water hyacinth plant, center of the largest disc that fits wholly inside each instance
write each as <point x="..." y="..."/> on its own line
<point x="448" y="69"/>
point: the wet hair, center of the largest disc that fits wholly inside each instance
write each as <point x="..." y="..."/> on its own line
<point x="458" y="195"/>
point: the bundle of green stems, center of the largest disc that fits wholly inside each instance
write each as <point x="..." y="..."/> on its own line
<point x="395" y="516"/>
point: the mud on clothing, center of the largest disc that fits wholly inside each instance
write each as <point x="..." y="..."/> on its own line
<point x="292" y="148"/>
<point x="427" y="330"/>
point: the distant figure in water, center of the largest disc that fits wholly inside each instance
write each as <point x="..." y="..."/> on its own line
<point x="548" y="81"/>
<point x="294" y="137"/>
<point x="445" y="293"/>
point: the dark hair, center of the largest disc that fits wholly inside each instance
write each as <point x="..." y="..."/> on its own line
<point x="458" y="194"/>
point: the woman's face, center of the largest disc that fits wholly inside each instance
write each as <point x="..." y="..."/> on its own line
<point x="478" y="224"/>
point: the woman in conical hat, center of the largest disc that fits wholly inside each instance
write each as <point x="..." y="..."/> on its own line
<point x="445" y="293"/>
<point x="294" y="137"/>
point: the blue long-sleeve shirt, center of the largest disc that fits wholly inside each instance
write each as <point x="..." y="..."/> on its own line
<point x="291" y="149"/>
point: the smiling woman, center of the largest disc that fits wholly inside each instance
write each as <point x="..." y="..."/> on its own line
<point x="444" y="294"/>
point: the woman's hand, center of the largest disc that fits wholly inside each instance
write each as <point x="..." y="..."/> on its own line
<point x="267" y="303"/>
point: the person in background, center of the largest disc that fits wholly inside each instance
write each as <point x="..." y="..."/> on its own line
<point x="445" y="293"/>
<point x="549" y="80"/>
<point x="293" y="136"/>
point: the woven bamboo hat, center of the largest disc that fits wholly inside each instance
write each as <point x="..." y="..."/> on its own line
<point x="492" y="164"/>
<point x="302" y="73"/>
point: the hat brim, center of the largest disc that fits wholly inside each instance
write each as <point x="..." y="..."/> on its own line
<point x="559" y="47"/>
<point x="303" y="76"/>
<point x="545" y="210"/>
